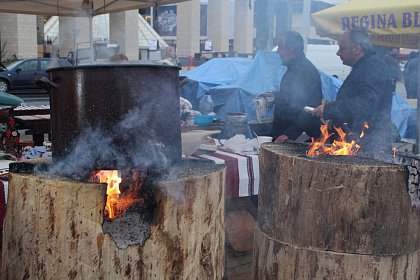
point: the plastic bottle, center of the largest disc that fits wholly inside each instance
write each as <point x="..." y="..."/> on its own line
<point x="206" y="105"/>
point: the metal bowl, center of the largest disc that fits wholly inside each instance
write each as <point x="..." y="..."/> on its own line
<point x="236" y="117"/>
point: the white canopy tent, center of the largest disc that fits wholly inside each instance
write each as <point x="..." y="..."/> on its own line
<point x="100" y="26"/>
<point x="78" y="8"/>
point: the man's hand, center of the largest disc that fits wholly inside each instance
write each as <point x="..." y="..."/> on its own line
<point x="281" y="139"/>
<point x="319" y="111"/>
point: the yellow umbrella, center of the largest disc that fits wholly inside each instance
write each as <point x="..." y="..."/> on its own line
<point x="390" y="23"/>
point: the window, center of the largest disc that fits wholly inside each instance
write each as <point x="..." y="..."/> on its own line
<point x="45" y="64"/>
<point x="29" y="65"/>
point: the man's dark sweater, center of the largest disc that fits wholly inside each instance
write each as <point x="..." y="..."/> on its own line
<point x="365" y="96"/>
<point x="300" y="87"/>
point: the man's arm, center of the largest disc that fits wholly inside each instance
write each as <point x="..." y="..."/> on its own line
<point x="281" y="139"/>
<point x="304" y="122"/>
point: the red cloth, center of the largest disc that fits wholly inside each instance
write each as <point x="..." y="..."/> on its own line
<point x="242" y="172"/>
<point x="232" y="177"/>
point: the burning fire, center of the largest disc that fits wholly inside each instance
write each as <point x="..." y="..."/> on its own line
<point x="113" y="180"/>
<point x="117" y="202"/>
<point x="338" y="147"/>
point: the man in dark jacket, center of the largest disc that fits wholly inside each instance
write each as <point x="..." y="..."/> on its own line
<point x="391" y="61"/>
<point x="412" y="76"/>
<point x="365" y="96"/>
<point x="300" y="87"/>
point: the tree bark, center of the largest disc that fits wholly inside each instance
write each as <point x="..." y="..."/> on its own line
<point x="333" y="217"/>
<point x="240" y="230"/>
<point x="274" y="259"/>
<point x="53" y="230"/>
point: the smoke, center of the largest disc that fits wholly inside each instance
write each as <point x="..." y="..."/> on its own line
<point x="130" y="143"/>
<point x="143" y="147"/>
<point x="91" y="148"/>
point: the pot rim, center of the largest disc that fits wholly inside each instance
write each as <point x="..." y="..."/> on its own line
<point x="110" y="66"/>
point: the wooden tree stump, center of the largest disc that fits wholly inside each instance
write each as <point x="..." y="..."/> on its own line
<point x="240" y="230"/>
<point x="240" y="221"/>
<point x="333" y="218"/>
<point x="53" y="229"/>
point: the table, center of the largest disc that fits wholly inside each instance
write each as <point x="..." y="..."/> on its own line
<point x="37" y="125"/>
<point x="242" y="172"/>
<point x="31" y="110"/>
<point x="36" y="119"/>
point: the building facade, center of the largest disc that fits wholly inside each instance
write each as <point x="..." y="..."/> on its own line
<point x="195" y="27"/>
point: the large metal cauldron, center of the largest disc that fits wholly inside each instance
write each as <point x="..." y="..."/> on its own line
<point x="124" y="115"/>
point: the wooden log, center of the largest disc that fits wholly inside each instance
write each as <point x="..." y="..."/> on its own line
<point x="240" y="221"/>
<point x="273" y="259"/>
<point x="240" y="230"/>
<point x="333" y="218"/>
<point x="240" y="218"/>
<point x="237" y="264"/>
<point x="53" y="230"/>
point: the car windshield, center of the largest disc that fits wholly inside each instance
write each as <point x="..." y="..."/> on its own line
<point x="53" y="63"/>
<point x="13" y="65"/>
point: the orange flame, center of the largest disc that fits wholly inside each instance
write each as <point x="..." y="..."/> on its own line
<point x="365" y="125"/>
<point x="338" y="147"/>
<point x="113" y="180"/>
<point x="117" y="203"/>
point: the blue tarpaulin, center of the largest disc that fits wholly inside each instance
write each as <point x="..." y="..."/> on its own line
<point x="220" y="71"/>
<point x="264" y="75"/>
<point x="213" y="73"/>
<point x="404" y="116"/>
<point x="234" y="82"/>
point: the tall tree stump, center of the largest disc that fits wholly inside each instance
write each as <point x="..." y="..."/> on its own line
<point x="341" y="217"/>
<point x="53" y="229"/>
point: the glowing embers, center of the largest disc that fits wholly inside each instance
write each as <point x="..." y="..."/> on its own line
<point x="339" y="147"/>
<point x="118" y="202"/>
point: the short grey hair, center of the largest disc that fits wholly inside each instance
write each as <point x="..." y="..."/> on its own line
<point x="361" y="37"/>
<point x="293" y="41"/>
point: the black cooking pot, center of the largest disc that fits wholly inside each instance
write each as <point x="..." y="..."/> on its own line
<point x="123" y="115"/>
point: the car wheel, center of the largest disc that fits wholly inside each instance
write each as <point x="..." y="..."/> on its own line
<point x="4" y="86"/>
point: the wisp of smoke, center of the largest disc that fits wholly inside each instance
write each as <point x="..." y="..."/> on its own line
<point x="130" y="143"/>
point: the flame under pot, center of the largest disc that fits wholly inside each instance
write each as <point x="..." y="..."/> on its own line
<point x="135" y="106"/>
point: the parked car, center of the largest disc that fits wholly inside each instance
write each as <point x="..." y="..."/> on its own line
<point x="19" y="76"/>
